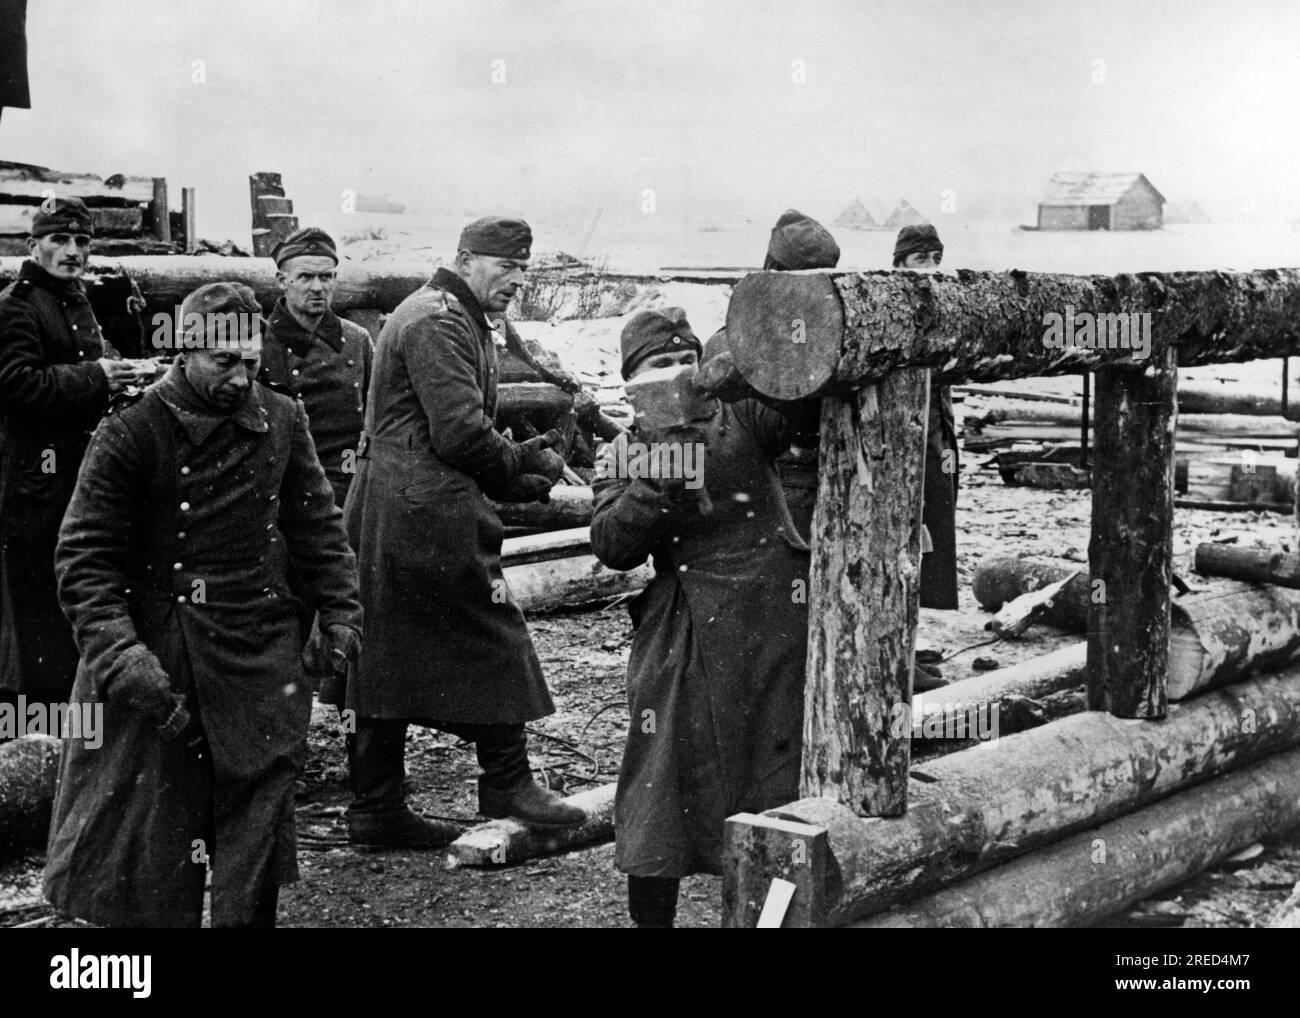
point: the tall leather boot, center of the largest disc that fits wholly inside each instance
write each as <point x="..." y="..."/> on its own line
<point x="507" y="788"/>
<point x="379" y="815"/>
<point x="652" y="901"/>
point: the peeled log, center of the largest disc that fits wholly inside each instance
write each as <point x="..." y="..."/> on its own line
<point x="532" y="397"/>
<point x="543" y="586"/>
<point x="1254" y="565"/>
<point x="982" y="806"/>
<point x="569" y="507"/>
<point x="1145" y="852"/>
<point x="1224" y="424"/>
<point x="504" y="842"/>
<point x="1230" y="628"/>
<point x="855" y="328"/>
<point x="518" y="551"/>
<point x="29" y="768"/>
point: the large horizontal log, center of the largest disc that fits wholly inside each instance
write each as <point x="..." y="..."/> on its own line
<point x="1252" y="565"/>
<point x="1004" y="412"/>
<point x="1228" y="629"/>
<point x="1096" y="873"/>
<point x="28" y="769"/>
<point x="799" y="334"/>
<point x="543" y="586"/>
<point x="1000" y="580"/>
<point x="978" y="807"/>
<point x="1212" y="398"/>
<point x="505" y="842"/>
<point x="165" y="281"/>
<point x="569" y="507"/>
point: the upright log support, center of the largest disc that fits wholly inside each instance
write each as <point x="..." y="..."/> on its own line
<point x="160" y="217"/>
<point x="865" y="595"/>
<point x="1131" y="550"/>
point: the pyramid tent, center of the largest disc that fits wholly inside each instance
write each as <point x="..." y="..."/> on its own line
<point x="856" y="217"/>
<point x="904" y="215"/>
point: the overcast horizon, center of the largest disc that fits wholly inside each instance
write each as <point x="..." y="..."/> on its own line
<point x="725" y="109"/>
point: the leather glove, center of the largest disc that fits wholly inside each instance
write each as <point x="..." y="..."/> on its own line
<point x="331" y="650"/>
<point x="142" y="684"/>
<point x="537" y="458"/>
<point x="528" y="488"/>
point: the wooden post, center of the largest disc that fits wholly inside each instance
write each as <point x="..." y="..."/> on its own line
<point x="188" y="217"/>
<point x="865" y="595"/>
<point x="273" y="218"/>
<point x="161" y="225"/>
<point x="1131" y="550"/>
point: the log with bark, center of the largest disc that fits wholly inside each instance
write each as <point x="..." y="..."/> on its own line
<point x="519" y="551"/>
<point x="1099" y="872"/>
<point x="580" y="579"/>
<point x="1227" y="630"/>
<point x="982" y="806"/>
<point x="505" y="842"/>
<point x="533" y="398"/>
<point x="29" y="767"/>
<point x="1251" y="565"/>
<point x="864" y="594"/>
<point x="798" y="334"/>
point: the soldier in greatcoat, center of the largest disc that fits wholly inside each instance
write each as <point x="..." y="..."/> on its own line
<point x="172" y="565"/>
<point x="56" y="375"/>
<point x="447" y="646"/>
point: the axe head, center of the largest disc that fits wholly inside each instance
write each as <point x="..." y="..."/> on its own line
<point x="665" y="398"/>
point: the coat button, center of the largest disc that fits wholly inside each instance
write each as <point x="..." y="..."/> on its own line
<point x="177" y="566"/>
<point x="180" y="599"/>
<point x="185" y="507"/>
<point x="294" y="371"/>
<point x="272" y="498"/>
<point x="74" y="328"/>
<point x="351" y="362"/>
<point x="180" y="535"/>
<point x="185" y="470"/>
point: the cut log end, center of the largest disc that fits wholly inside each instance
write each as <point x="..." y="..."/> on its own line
<point x="792" y="323"/>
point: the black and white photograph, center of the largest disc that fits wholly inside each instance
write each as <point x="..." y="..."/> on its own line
<point x="651" y="464"/>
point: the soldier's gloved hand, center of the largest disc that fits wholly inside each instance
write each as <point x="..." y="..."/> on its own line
<point x="142" y="684"/>
<point x="529" y="488"/>
<point x="537" y="457"/>
<point x="120" y="374"/>
<point x="331" y="650"/>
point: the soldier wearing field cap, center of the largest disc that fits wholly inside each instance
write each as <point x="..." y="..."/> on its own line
<point x="919" y="248"/>
<point x="447" y="647"/>
<point x="321" y="358"/>
<point x="716" y="674"/>
<point x="56" y="375"/>
<point x="173" y="562"/>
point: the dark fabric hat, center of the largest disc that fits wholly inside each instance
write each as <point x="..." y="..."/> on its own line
<point x="800" y="242"/>
<point x="500" y="238"/>
<point x="651" y="332"/>
<point x="68" y="215"/>
<point x="230" y="315"/>
<point x="914" y="239"/>
<point x="310" y="240"/>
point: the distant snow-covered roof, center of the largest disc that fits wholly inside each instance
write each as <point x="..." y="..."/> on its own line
<point x="1081" y="187"/>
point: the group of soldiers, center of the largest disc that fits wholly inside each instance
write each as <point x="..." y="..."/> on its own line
<point x="195" y="555"/>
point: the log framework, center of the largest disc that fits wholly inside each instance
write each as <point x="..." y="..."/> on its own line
<point x="866" y="333"/>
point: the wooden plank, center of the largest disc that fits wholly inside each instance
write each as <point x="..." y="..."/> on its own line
<point x="864" y="596"/>
<point x="517" y="551"/>
<point x="1130" y="553"/>
<point x="1099" y="872"/>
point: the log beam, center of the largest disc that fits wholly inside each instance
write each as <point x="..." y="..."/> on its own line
<point x="982" y="806"/>
<point x="1092" y="875"/>
<point x="849" y="329"/>
<point x="1252" y="565"/>
<point x="864" y="596"/>
<point x="569" y="507"/>
<point x="505" y="842"/>
<point x="1130" y="553"/>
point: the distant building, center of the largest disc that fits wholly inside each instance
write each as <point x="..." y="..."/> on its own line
<point x="1101" y="201"/>
<point x="1185" y="212"/>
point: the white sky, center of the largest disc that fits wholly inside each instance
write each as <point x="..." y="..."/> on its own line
<point x="695" y="100"/>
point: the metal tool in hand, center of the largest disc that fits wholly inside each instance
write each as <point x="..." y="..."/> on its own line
<point x="666" y="399"/>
